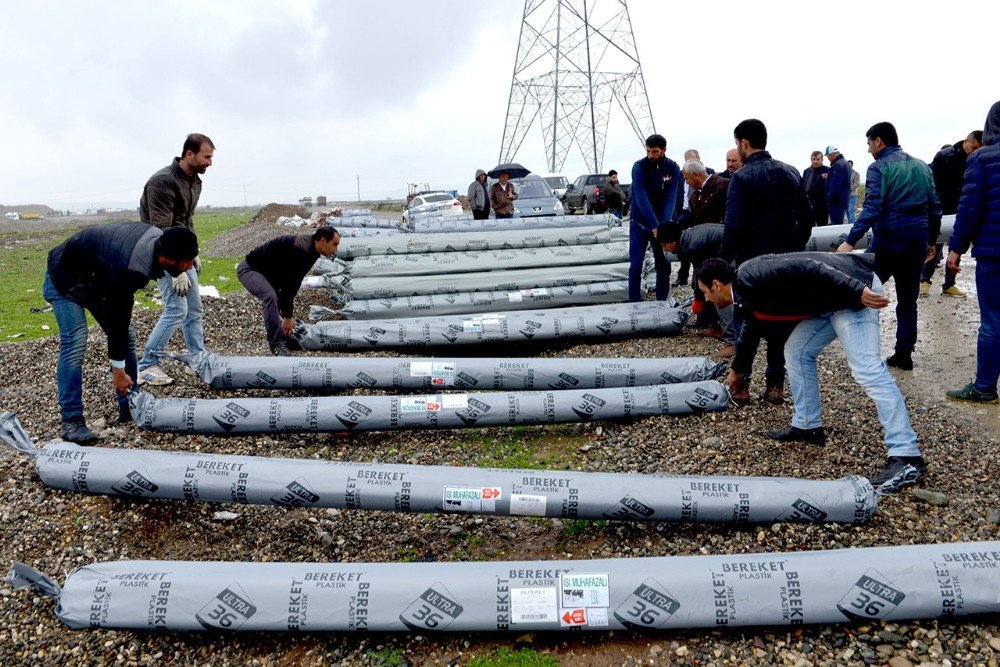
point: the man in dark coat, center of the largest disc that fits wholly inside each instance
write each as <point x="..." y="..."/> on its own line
<point x="814" y="177"/>
<point x="99" y="270"/>
<point x="977" y="223"/>
<point x="824" y="296"/>
<point x="838" y="186"/>
<point x="656" y="182"/>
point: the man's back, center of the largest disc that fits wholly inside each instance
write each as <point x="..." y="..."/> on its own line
<point x="948" y="167"/>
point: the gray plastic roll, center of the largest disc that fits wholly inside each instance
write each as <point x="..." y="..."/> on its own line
<point x="830" y="237"/>
<point x="365" y="221"/>
<point x="381" y="287"/>
<point x="324" y="265"/>
<point x="478" y="302"/>
<point x="488" y="260"/>
<point x="508" y="374"/>
<point x="327" y="414"/>
<point x="575" y="323"/>
<point x="867" y="585"/>
<point x="475" y="241"/>
<point x="254" y="480"/>
<point x="365" y="232"/>
<point x="456" y="224"/>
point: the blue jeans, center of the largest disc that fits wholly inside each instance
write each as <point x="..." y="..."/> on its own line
<point x="617" y="214"/>
<point x="71" y="319"/>
<point x="859" y="336"/>
<point x="177" y="310"/>
<point x="504" y="216"/>
<point x="638" y="240"/>
<point x="852" y="207"/>
<point x="988" y="351"/>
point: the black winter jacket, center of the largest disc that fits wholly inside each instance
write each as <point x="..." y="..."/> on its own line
<point x="805" y="284"/>
<point x="101" y="268"/>
<point x="767" y="210"/>
<point x="284" y="261"/>
<point x="701" y="242"/>
<point x="948" y="167"/>
<point x="170" y="197"/>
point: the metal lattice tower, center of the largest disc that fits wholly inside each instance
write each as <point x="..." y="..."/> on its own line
<point x="573" y="58"/>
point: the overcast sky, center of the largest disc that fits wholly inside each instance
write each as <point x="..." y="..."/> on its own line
<point x="301" y="98"/>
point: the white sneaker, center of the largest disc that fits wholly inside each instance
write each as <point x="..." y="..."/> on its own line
<point x="155" y="376"/>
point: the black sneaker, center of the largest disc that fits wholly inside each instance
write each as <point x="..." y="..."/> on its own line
<point x="75" y="430"/>
<point x="812" y="436"/>
<point x="901" y="360"/>
<point x="899" y="471"/>
<point x="970" y="393"/>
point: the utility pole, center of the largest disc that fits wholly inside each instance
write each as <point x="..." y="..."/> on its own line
<point x="358" y="177"/>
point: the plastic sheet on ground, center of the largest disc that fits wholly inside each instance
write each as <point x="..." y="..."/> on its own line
<point x="326" y="414"/>
<point x="576" y="323"/>
<point x="255" y="480"/>
<point x="506" y="374"/>
<point x="477" y="302"/>
<point x="866" y="585"/>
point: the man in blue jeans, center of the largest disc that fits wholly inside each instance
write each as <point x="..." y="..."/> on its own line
<point x="169" y="199"/>
<point x="656" y="180"/>
<point x="830" y="296"/>
<point x="977" y="223"/>
<point x="99" y="269"/>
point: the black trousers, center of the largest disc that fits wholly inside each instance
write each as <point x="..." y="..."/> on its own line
<point x="903" y="263"/>
<point x="480" y="213"/>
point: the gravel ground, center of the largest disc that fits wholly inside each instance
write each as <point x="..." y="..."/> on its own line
<point x="56" y="531"/>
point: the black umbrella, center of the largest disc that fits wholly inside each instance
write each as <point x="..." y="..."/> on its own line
<point x="514" y="169"/>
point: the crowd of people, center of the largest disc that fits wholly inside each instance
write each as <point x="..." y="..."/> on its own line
<point x="743" y="231"/>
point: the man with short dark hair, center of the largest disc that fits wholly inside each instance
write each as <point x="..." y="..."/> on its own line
<point x="99" y="269"/>
<point x="656" y="180"/>
<point x="614" y="196"/>
<point x="838" y="186"/>
<point x="479" y="196"/>
<point x="948" y="167"/>
<point x="502" y="196"/>
<point x="814" y="179"/>
<point x="169" y="199"/>
<point x="824" y="297"/>
<point x="273" y="273"/>
<point x="767" y="211"/>
<point x="903" y="212"/>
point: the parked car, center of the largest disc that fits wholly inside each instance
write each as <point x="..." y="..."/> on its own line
<point x="431" y="203"/>
<point x="535" y="198"/>
<point x="558" y="183"/>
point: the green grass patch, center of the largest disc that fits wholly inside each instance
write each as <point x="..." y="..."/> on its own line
<point x="533" y="447"/>
<point x="578" y="527"/>
<point x="505" y="657"/>
<point x="391" y="657"/>
<point x="23" y="257"/>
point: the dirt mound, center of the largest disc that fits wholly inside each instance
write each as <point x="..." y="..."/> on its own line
<point x="272" y="212"/>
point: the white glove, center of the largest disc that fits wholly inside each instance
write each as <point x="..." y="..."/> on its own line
<point x="197" y="265"/>
<point x="182" y="284"/>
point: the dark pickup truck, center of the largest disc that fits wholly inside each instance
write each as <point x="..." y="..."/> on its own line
<point x="586" y="195"/>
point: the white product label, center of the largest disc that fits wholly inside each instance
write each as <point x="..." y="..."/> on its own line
<point x="454" y="401"/>
<point x="420" y="369"/>
<point x="514" y="297"/>
<point x="410" y="404"/>
<point x="597" y="618"/>
<point x="526" y="505"/>
<point x="584" y="590"/>
<point x="535" y="291"/>
<point x="533" y="605"/>
<point x="471" y="499"/>
<point x="443" y="369"/>
<point x="469" y="326"/>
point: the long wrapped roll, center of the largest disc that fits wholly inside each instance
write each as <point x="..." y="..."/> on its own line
<point x="830" y="237"/>
<point x="255" y="480"/>
<point x="425" y="305"/>
<point x="457" y="224"/>
<point x="489" y="260"/>
<point x="364" y="221"/>
<point x="866" y="585"/>
<point x="508" y="374"/>
<point x="647" y="318"/>
<point x="375" y="413"/>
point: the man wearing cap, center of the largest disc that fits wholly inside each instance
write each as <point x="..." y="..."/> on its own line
<point x="169" y="200"/>
<point x="502" y="197"/>
<point x="479" y="197"/>
<point x="838" y="186"/>
<point x="99" y="269"/>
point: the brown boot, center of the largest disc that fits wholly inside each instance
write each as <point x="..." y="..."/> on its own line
<point x="739" y="391"/>
<point x="774" y="393"/>
<point x="725" y="352"/>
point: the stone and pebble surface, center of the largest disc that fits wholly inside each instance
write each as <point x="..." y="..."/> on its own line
<point x="56" y="531"/>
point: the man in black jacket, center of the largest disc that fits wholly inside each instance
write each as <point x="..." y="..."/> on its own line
<point x="100" y="269"/>
<point x="273" y="273"/>
<point x="828" y="296"/>
<point x="814" y="179"/>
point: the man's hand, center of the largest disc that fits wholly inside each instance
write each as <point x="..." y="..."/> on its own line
<point x="732" y="378"/>
<point x="122" y="381"/>
<point x="288" y="325"/>
<point x="931" y="252"/>
<point x="953" y="259"/>
<point x="873" y="299"/>
<point x="197" y="265"/>
<point x="182" y="284"/>
<point x="845" y="247"/>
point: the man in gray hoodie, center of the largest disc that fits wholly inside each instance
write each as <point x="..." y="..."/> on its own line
<point x="479" y="197"/>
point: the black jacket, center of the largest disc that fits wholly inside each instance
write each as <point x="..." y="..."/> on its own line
<point x="170" y="197"/>
<point x="701" y="242"/>
<point x="948" y="167"/>
<point x="767" y="210"/>
<point x="804" y="284"/>
<point x="101" y="268"/>
<point x="285" y="261"/>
